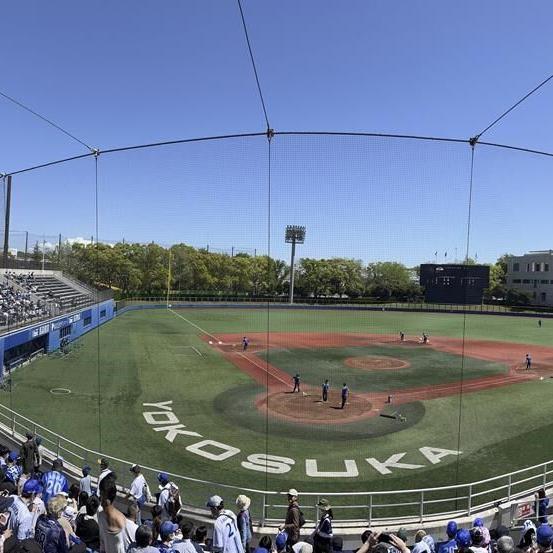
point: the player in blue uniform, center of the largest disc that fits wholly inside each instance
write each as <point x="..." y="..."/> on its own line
<point x="326" y="386"/>
<point x="345" y="395"/>
<point x="296" y="380"/>
<point x="245" y="343"/>
<point x="528" y="362"/>
<point x="54" y="482"/>
<point x="449" y="546"/>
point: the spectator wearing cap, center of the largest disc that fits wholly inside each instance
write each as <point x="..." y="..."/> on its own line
<point x="281" y="541"/>
<point x="449" y="546"/>
<point x="111" y="521"/>
<point x="226" y="537"/>
<point x="322" y="536"/>
<point x="104" y="470"/>
<point x="54" y="482"/>
<point x="463" y="540"/>
<point x="85" y="483"/>
<point x="143" y="541"/>
<point x="305" y="547"/>
<point x="167" y="534"/>
<point x="292" y="522"/>
<point x="184" y="544"/>
<point x="244" y="521"/>
<point x="27" y="453"/>
<point x="48" y="531"/>
<point x="505" y="544"/>
<point x="13" y="470"/>
<point x="169" y="497"/>
<point x="527" y="536"/>
<point x="86" y="526"/>
<point x="31" y="496"/>
<point x="544" y="538"/>
<point x="139" y="489"/>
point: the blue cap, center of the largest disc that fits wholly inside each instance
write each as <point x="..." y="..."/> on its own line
<point x="13" y="455"/>
<point x="163" y="477"/>
<point x="168" y="528"/>
<point x="478" y="522"/>
<point x="32" y="486"/>
<point x="281" y="539"/>
<point x="544" y="535"/>
<point x="463" y="538"/>
<point x="451" y="529"/>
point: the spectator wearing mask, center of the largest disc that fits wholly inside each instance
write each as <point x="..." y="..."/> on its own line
<point x="31" y="496"/>
<point x="167" y="534"/>
<point x="244" y="521"/>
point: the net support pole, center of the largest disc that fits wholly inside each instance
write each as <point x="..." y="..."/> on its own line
<point x="291" y="294"/>
<point x="168" y="277"/>
<point x="7" y="220"/>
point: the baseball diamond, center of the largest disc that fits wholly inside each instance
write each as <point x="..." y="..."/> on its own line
<point x="231" y="413"/>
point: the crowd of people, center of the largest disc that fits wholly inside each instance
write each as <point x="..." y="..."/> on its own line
<point x="18" y="306"/>
<point x="41" y="512"/>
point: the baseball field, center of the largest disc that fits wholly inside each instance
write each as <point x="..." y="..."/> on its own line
<point x="173" y="389"/>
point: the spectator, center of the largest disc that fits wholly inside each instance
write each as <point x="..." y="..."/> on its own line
<point x="81" y="503"/>
<point x="265" y="545"/>
<point x="85" y="483"/>
<point x="156" y="521"/>
<point x="543" y="503"/>
<point x="20" y="519"/>
<point x="31" y="495"/>
<point x="185" y="545"/>
<point x="38" y="457"/>
<point x="111" y="521"/>
<point x="104" y="470"/>
<point x="143" y="541"/>
<point x="463" y="541"/>
<point x="225" y="530"/>
<point x="13" y="469"/>
<point x="294" y="518"/>
<point x="527" y="536"/>
<point x="49" y="532"/>
<point x="449" y="546"/>
<point x="28" y="454"/>
<point x="281" y="541"/>
<point x="139" y="489"/>
<point x="167" y="534"/>
<point x="544" y="537"/>
<point x="132" y="515"/>
<point x="421" y="546"/>
<point x="244" y="521"/>
<point x="505" y="544"/>
<point x="199" y="539"/>
<point x="73" y="496"/>
<point x="322" y="536"/>
<point x="87" y="524"/>
<point x="477" y="537"/>
<point x="54" y="482"/>
<point x="169" y="497"/>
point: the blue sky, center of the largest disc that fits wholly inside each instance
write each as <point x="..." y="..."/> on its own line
<point x="121" y="73"/>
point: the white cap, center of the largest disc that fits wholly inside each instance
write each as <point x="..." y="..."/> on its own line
<point x="293" y="491"/>
<point x="214" y="501"/>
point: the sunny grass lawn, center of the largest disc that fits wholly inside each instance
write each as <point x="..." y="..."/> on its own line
<point x="143" y="358"/>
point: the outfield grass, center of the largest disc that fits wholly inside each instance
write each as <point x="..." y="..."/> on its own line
<point x="142" y="356"/>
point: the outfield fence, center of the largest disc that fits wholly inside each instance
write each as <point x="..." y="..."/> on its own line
<point x="392" y="507"/>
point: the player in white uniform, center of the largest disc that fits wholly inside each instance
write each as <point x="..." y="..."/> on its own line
<point x="226" y="537"/>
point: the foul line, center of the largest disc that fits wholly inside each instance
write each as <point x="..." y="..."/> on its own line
<point x="194" y="325"/>
<point x="262" y="368"/>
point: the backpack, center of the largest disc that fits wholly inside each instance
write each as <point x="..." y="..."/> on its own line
<point x="302" y="518"/>
<point x="146" y="493"/>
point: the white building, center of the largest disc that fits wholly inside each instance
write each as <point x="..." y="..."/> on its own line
<point x="532" y="273"/>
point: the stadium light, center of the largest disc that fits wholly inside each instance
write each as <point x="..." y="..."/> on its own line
<point x="294" y="235"/>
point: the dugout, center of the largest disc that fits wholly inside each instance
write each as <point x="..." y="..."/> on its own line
<point x="454" y="283"/>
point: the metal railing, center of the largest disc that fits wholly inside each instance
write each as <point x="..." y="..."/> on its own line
<point x="268" y="506"/>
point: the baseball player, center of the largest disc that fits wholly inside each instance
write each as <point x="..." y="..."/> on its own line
<point x="296" y="380"/>
<point x="424" y="338"/>
<point x="401" y="336"/>
<point x="326" y="386"/>
<point x="345" y="395"/>
<point x="245" y="343"/>
<point x="528" y="362"/>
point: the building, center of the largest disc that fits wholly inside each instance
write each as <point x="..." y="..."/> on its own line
<point x="532" y="273"/>
<point x="454" y="283"/>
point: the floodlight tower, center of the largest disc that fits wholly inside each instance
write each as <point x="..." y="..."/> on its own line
<point x="294" y="235"/>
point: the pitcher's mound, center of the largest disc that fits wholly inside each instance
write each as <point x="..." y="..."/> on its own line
<point x="376" y="363"/>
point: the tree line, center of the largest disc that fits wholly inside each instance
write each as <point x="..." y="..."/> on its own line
<point x="133" y="269"/>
